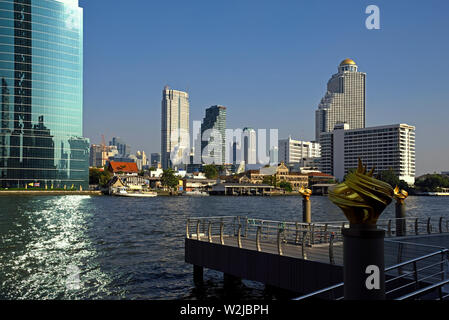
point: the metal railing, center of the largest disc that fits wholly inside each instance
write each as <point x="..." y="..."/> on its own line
<point x="267" y="235"/>
<point x="413" y="226"/>
<point x="412" y="279"/>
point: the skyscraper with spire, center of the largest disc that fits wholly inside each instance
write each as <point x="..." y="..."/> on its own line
<point x="344" y="101"/>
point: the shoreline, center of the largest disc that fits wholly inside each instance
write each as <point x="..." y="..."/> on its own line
<point x="50" y="193"/>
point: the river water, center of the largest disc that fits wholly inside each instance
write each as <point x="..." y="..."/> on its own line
<point x="99" y="247"/>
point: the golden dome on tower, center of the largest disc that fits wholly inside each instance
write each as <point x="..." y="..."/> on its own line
<point x="347" y="61"/>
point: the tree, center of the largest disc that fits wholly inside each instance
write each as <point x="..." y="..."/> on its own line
<point x="168" y="179"/>
<point x="390" y="177"/>
<point x="97" y="176"/>
<point x="432" y="182"/>
<point x="210" y="171"/>
<point x="94" y="175"/>
<point x="270" y="180"/>
<point x="287" y="186"/>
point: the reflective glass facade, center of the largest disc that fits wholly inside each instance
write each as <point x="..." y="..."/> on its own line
<point x="41" y="71"/>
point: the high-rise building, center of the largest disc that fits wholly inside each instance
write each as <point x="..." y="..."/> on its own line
<point x="382" y="148"/>
<point x="249" y="146"/>
<point x="213" y="130"/>
<point x="344" y="101"/>
<point x="296" y="151"/>
<point x="42" y="94"/>
<point x="124" y="150"/>
<point x="174" y="126"/>
<point x="155" y="159"/>
<point x="141" y="159"/>
<point x="100" y="154"/>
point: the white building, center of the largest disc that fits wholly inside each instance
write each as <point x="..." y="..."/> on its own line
<point x="344" y="101"/>
<point x="383" y="147"/>
<point x="249" y="146"/>
<point x="296" y="151"/>
<point x="174" y="124"/>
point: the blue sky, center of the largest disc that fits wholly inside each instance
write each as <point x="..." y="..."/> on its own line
<point x="268" y="62"/>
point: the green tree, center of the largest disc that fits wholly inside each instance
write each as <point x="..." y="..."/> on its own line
<point x="100" y="177"/>
<point x="168" y="179"/>
<point x="270" y="180"/>
<point x="287" y="186"/>
<point x="210" y="171"/>
<point x="94" y="175"/>
<point x="432" y="182"/>
<point x="390" y="177"/>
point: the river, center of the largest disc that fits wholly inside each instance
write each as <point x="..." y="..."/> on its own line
<point x="132" y="248"/>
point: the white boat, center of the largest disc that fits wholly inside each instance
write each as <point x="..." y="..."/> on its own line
<point x="124" y="193"/>
<point x="197" y="193"/>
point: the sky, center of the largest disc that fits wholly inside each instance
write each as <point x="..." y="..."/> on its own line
<point x="268" y="62"/>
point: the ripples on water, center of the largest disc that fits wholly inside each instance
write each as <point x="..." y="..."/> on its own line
<point x="130" y="248"/>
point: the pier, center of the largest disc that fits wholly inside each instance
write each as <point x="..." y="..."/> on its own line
<point x="307" y="257"/>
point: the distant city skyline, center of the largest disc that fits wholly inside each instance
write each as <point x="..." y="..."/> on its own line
<point x="269" y="67"/>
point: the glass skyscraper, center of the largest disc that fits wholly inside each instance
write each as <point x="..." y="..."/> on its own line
<point x="41" y="71"/>
<point x="215" y="122"/>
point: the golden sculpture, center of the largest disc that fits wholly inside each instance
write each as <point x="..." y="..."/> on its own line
<point x="400" y="195"/>
<point x="361" y="197"/>
<point x="306" y="193"/>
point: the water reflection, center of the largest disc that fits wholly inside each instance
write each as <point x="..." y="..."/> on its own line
<point x="77" y="247"/>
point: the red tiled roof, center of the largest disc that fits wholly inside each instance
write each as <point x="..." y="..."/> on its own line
<point x="128" y="167"/>
<point x="319" y="174"/>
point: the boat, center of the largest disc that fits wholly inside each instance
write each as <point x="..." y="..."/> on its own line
<point x="197" y="193"/>
<point x="123" y="193"/>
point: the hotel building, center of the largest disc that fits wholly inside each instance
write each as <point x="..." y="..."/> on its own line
<point x="296" y="151"/>
<point x="41" y="71"/>
<point x="344" y="100"/>
<point x="383" y="147"/>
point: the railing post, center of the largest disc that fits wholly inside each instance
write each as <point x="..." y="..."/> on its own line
<point x="440" y="225"/>
<point x="325" y="233"/>
<point x="442" y="264"/>
<point x="389" y="228"/>
<point x="198" y="230"/>
<point x="280" y="231"/>
<point x="297" y="233"/>
<point x="239" y="237"/>
<point x="246" y="227"/>
<point x="210" y="231"/>
<point x="259" y="231"/>
<point x="400" y="249"/>
<point x="303" y="245"/>
<point x="221" y="232"/>
<point x="331" y="249"/>
<point x="415" y="274"/>
<point x="429" y="227"/>
<point x="416" y="226"/>
<point x="187" y="229"/>
<point x="311" y="237"/>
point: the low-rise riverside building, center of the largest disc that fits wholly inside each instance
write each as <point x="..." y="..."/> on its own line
<point x="280" y="172"/>
<point x="198" y="184"/>
<point x="239" y="189"/>
<point x="123" y="168"/>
